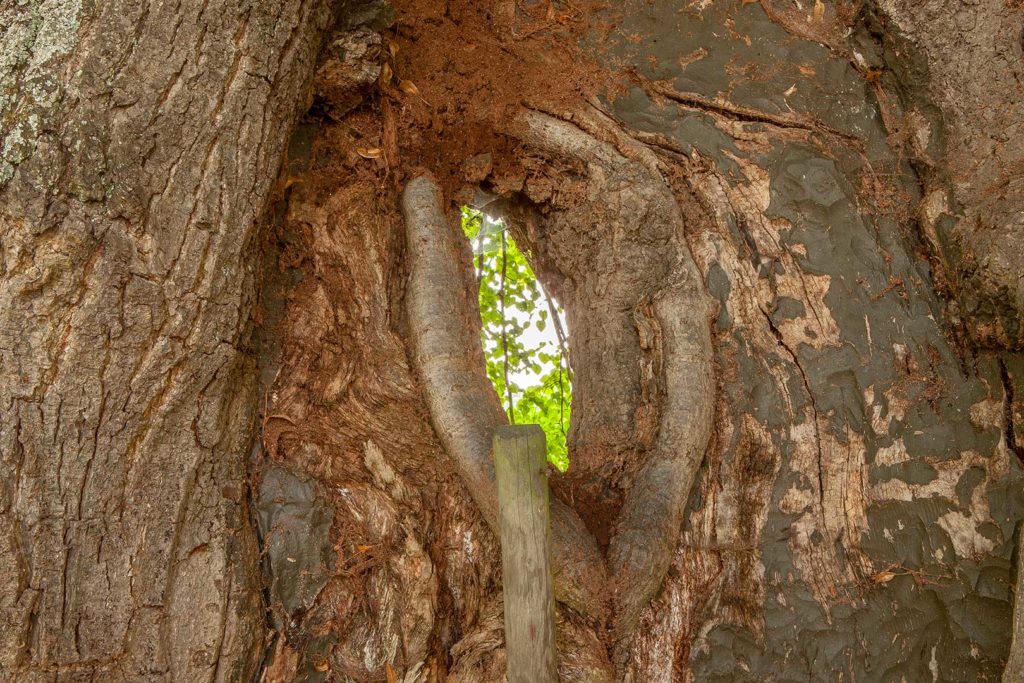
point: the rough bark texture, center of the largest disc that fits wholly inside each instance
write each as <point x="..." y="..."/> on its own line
<point x="856" y="515"/>
<point x="785" y="246"/>
<point x="960" y="70"/>
<point x="140" y="142"/>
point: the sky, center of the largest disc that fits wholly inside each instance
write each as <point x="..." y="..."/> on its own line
<point x="532" y="337"/>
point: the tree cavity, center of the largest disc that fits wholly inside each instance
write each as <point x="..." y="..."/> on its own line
<point x="643" y="384"/>
<point x="522" y="333"/>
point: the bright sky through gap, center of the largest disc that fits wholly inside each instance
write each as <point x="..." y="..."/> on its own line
<point x="524" y="378"/>
<point x="529" y="376"/>
<point x="532" y="338"/>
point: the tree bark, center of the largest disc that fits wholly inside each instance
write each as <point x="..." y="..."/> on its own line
<point x="141" y="141"/>
<point x="784" y="237"/>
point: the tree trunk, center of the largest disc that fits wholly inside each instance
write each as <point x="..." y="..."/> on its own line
<point x="246" y="423"/>
<point x="141" y="141"/>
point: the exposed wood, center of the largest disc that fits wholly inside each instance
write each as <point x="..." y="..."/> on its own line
<point x="520" y="465"/>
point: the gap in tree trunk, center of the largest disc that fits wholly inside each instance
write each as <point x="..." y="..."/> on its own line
<point x="786" y="519"/>
<point x="523" y="333"/>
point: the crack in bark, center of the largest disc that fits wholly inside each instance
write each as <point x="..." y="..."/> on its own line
<point x="1009" y="430"/>
<point x="739" y="112"/>
<point x="777" y="333"/>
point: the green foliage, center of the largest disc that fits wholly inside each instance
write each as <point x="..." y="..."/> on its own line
<point x="511" y="303"/>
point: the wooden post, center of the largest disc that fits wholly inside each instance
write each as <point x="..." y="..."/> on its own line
<point x="520" y="465"/>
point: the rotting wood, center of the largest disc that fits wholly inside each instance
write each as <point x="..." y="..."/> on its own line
<point x="520" y="463"/>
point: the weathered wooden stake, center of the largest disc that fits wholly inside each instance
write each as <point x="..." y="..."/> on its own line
<point x="520" y="464"/>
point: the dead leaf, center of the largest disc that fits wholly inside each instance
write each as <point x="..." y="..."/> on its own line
<point x="363" y="548"/>
<point x="884" y="577"/>
<point x="385" y="74"/>
<point x="322" y="665"/>
<point x="819" y="10"/>
<point x="390" y="673"/>
<point x="369" y="152"/>
<point x="392" y="48"/>
<point x="409" y="87"/>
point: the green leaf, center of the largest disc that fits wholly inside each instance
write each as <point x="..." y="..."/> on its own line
<point x="546" y="403"/>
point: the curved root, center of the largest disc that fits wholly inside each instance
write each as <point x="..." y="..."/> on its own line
<point x="632" y="211"/>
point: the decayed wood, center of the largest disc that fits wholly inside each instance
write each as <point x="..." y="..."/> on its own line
<point x="520" y="466"/>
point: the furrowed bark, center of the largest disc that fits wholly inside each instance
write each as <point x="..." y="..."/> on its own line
<point x="140" y="142"/>
<point x="965" y="131"/>
<point x="463" y="406"/>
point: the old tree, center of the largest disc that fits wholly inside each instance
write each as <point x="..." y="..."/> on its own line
<point x="244" y="420"/>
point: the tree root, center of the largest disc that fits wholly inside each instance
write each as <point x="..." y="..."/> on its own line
<point x="646" y="531"/>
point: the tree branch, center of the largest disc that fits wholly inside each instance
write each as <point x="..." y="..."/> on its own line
<point x="504" y="328"/>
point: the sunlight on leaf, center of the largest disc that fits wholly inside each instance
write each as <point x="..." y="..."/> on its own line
<point x="538" y="388"/>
